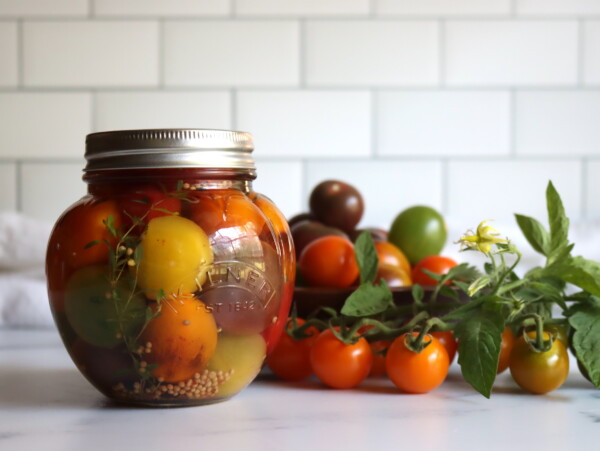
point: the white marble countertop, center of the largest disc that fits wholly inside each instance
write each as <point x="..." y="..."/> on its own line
<point x="46" y="404"/>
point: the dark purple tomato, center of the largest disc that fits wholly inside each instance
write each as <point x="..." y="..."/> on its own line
<point x="305" y="232"/>
<point x="376" y="233"/>
<point x="337" y="204"/>
<point x="299" y="218"/>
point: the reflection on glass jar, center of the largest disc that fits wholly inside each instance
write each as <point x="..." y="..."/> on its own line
<point x="171" y="279"/>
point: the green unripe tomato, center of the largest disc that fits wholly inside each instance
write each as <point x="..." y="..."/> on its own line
<point x="94" y="312"/>
<point x="419" y="232"/>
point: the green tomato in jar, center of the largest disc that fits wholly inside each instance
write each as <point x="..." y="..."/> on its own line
<point x="176" y="255"/>
<point x="99" y="315"/>
<point x="241" y="356"/>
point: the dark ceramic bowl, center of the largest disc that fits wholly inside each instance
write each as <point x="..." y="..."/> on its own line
<point x="309" y="299"/>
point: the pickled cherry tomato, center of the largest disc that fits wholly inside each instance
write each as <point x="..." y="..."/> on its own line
<point x="149" y="202"/>
<point x="176" y="256"/>
<point x="183" y="337"/>
<point x="84" y="225"/>
<point x="95" y="314"/>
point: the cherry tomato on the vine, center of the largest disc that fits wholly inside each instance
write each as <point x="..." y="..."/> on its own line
<point x="415" y="372"/>
<point x="447" y="339"/>
<point x="329" y="261"/>
<point x="339" y="365"/>
<point x="290" y="359"/>
<point x="436" y="264"/>
<point x="508" y="341"/>
<point x="539" y="372"/>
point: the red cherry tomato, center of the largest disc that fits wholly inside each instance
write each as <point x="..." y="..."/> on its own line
<point x="329" y="261"/>
<point x="290" y="360"/>
<point x="434" y="263"/>
<point x="415" y="372"/>
<point x="446" y="338"/>
<point x="84" y="225"/>
<point x="339" y="365"/>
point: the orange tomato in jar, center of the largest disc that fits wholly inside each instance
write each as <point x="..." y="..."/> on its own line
<point x="183" y="337"/>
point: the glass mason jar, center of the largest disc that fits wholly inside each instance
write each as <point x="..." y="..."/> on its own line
<point x="171" y="280"/>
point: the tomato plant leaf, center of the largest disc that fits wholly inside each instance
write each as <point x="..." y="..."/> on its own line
<point x="366" y="257"/>
<point x="418" y="293"/>
<point x="368" y="299"/>
<point x="580" y="272"/>
<point x="557" y="219"/>
<point x="584" y="318"/>
<point x="479" y="338"/>
<point x="535" y="233"/>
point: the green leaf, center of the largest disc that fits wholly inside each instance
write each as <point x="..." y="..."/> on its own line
<point x="479" y="338"/>
<point x="92" y="243"/>
<point x="535" y="233"/>
<point x="478" y="285"/>
<point x="580" y="272"/>
<point x="463" y="272"/>
<point x="418" y="293"/>
<point x="585" y="320"/>
<point x="557" y="219"/>
<point x="109" y="222"/>
<point x="366" y="257"/>
<point x="368" y="299"/>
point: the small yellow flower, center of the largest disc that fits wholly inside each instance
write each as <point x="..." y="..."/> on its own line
<point x="483" y="240"/>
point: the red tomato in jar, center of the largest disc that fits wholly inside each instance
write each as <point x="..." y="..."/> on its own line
<point x="148" y="202"/>
<point x="84" y="225"/>
<point x="329" y="261"/>
<point x="436" y="264"/>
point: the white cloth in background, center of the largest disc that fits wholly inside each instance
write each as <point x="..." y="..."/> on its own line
<point x="23" y="241"/>
<point x="23" y="295"/>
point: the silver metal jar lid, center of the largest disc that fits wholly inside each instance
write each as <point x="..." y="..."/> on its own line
<point x="169" y="148"/>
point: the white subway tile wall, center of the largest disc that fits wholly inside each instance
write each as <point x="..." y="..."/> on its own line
<point x="469" y="106"/>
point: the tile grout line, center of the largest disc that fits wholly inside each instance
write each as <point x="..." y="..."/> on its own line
<point x="302" y="57"/>
<point x="19" y="186"/>
<point x="445" y="185"/>
<point x="442" y="53"/>
<point x="161" y="54"/>
<point x="20" y="55"/>
<point x="585" y="214"/>
<point x="580" y="52"/>
<point x="374" y="130"/>
<point x="233" y="101"/>
<point x="513" y="124"/>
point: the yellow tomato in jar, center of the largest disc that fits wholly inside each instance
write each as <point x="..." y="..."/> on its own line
<point x="176" y="256"/>
<point x="239" y="356"/>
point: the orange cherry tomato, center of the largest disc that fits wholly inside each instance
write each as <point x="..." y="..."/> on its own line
<point x="394" y="276"/>
<point x="390" y="254"/>
<point x="508" y="341"/>
<point x="539" y="372"/>
<point x="339" y="365"/>
<point x="329" y="261"/>
<point x="434" y="263"/>
<point x="183" y="338"/>
<point x="415" y="372"/>
<point x="290" y="360"/>
<point x="447" y="339"/>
